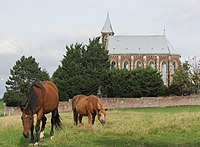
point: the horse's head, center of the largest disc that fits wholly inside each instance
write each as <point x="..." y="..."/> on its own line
<point x="27" y="121"/>
<point x="102" y="115"/>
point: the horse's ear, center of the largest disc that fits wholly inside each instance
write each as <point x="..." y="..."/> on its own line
<point x="98" y="109"/>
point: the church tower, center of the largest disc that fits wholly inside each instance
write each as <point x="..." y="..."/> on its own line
<point x="106" y="31"/>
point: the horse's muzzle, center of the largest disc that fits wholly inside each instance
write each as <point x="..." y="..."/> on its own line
<point x="26" y="135"/>
<point x="102" y="122"/>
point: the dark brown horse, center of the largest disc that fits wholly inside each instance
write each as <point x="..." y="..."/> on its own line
<point x="90" y="106"/>
<point x="42" y="99"/>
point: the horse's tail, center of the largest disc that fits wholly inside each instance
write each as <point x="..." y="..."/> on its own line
<point x="57" y="120"/>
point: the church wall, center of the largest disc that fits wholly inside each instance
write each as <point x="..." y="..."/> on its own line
<point x="176" y="59"/>
<point x="125" y="58"/>
<point x="150" y="58"/>
<point x="145" y="59"/>
<point x="136" y="58"/>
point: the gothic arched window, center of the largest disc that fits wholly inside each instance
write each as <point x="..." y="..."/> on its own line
<point x="113" y="64"/>
<point x="152" y="64"/>
<point x="173" y="67"/>
<point x="126" y="65"/>
<point x="138" y="64"/>
<point x="164" y="72"/>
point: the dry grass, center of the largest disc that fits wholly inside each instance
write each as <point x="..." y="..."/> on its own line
<point x="9" y="122"/>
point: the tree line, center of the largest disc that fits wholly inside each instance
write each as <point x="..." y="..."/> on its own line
<point x="85" y="69"/>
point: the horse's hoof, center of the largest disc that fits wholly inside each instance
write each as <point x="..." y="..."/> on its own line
<point x="81" y="124"/>
<point x="51" y="137"/>
<point x="36" y="144"/>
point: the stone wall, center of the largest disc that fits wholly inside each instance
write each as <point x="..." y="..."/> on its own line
<point x="11" y="111"/>
<point x="114" y="103"/>
<point x="150" y="102"/>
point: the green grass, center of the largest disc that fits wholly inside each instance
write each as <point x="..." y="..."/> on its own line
<point x="144" y="127"/>
<point x="1" y="107"/>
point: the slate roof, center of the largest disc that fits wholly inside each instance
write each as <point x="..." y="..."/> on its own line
<point x="140" y="44"/>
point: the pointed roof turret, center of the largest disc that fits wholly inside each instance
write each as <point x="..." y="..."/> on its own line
<point x="107" y="28"/>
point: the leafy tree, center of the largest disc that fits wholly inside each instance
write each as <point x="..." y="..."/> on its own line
<point x="181" y="84"/>
<point x="24" y="72"/>
<point x="195" y="74"/>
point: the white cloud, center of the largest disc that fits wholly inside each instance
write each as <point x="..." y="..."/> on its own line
<point x="12" y="45"/>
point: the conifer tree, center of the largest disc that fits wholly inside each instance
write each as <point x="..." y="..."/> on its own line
<point x="69" y="75"/>
<point x="140" y="82"/>
<point x="83" y="70"/>
<point x="96" y="65"/>
<point x="23" y="73"/>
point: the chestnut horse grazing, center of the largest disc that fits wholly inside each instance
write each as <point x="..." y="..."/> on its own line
<point x="90" y="106"/>
<point x="42" y="98"/>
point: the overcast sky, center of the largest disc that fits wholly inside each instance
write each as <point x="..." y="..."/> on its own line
<point x="42" y="28"/>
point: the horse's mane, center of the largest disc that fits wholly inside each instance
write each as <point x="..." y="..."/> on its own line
<point x="32" y="97"/>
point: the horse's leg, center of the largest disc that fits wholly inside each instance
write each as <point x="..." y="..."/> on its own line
<point x="53" y="114"/>
<point x="44" y="119"/>
<point x="89" y="119"/>
<point x="80" y="119"/>
<point x="32" y="134"/>
<point x="75" y="117"/>
<point x="93" y="118"/>
<point x="37" y="127"/>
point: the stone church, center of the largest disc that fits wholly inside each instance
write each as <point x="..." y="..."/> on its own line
<point x="130" y="52"/>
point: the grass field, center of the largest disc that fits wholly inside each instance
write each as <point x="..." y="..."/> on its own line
<point x="1" y="107"/>
<point x="145" y="127"/>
